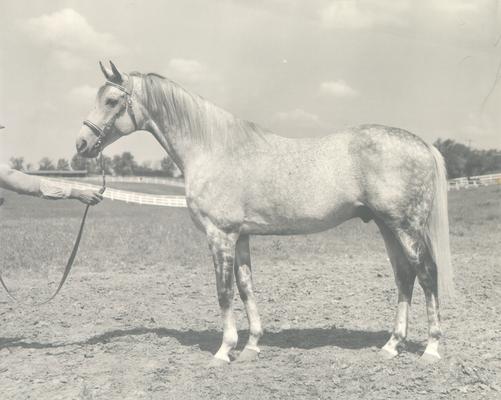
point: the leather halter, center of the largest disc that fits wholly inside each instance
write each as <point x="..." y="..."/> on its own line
<point x="102" y="132"/>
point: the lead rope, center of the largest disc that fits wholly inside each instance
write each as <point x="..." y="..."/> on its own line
<point x="103" y="175"/>
<point x="73" y="254"/>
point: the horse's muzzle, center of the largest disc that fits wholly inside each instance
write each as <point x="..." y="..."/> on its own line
<point x="86" y="143"/>
<point x="81" y="145"/>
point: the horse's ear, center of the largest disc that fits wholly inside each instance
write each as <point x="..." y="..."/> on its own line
<point x="106" y="72"/>
<point x="117" y="76"/>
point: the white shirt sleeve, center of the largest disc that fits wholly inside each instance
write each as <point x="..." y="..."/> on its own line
<point x="54" y="190"/>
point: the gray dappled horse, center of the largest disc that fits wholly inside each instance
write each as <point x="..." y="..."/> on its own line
<point x="243" y="180"/>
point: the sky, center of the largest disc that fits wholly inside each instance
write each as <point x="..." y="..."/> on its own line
<point x="298" y="68"/>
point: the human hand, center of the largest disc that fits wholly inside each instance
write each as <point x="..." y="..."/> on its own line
<point x="88" y="196"/>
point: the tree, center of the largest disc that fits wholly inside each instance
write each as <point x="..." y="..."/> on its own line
<point x="79" y="163"/>
<point x="45" y="164"/>
<point x="124" y="164"/>
<point x="462" y="160"/>
<point x="17" y="163"/>
<point x="107" y="164"/>
<point x="455" y="156"/>
<point x="169" y="167"/>
<point x="91" y="165"/>
<point x="144" y="169"/>
<point x="63" y="164"/>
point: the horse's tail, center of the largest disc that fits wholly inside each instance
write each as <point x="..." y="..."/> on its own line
<point x="437" y="229"/>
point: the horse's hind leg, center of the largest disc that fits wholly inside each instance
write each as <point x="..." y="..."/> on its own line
<point x="404" y="278"/>
<point x="243" y="273"/>
<point x="427" y="276"/>
<point x="420" y="259"/>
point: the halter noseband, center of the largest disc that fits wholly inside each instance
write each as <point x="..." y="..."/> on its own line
<point x="102" y="132"/>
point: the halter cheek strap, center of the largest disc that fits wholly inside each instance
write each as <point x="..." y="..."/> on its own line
<point x="102" y="132"/>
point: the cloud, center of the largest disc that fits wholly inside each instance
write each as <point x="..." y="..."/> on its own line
<point x="189" y="71"/>
<point x="69" y="37"/>
<point x="83" y="95"/>
<point x="459" y="21"/>
<point x="297" y="115"/>
<point x="337" y="89"/>
<point x="363" y="14"/>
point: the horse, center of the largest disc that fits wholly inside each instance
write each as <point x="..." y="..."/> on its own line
<point x="243" y="180"/>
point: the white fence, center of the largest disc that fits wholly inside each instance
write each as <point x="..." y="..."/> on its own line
<point x="130" y="197"/>
<point x="137" y="179"/>
<point x="180" y="201"/>
<point x="457" y="183"/>
<point x="475" y="181"/>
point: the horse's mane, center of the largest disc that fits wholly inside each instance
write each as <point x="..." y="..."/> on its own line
<point x="174" y="107"/>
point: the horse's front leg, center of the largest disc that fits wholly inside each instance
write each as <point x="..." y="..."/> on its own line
<point x="222" y="246"/>
<point x="243" y="273"/>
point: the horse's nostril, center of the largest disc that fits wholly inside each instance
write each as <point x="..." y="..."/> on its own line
<point x="81" y="145"/>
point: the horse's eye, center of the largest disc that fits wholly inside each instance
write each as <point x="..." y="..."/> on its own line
<point x="111" y="102"/>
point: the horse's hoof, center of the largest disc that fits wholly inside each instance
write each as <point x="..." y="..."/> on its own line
<point x="429" y="358"/>
<point x="388" y="354"/>
<point x="247" y="355"/>
<point x="218" y="363"/>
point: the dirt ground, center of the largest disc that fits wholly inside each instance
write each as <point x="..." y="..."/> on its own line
<point x="138" y="317"/>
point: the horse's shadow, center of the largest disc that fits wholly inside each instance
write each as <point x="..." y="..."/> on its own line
<point x="209" y="340"/>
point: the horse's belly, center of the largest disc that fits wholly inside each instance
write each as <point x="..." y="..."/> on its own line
<point x="288" y="221"/>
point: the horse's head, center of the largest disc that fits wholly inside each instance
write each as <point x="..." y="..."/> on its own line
<point x="113" y="115"/>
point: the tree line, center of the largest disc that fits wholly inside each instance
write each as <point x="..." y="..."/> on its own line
<point x="460" y="160"/>
<point x="121" y="164"/>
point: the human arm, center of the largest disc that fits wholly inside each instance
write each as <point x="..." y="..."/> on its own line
<point x="56" y="190"/>
<point x="18" y="182"/>
<point x="41" y="187"/>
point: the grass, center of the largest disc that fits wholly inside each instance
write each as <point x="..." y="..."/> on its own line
<point x="120" y="235"/>
<point x="40" y="232"/>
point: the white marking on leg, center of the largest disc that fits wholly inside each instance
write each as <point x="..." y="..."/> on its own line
<point x="253" y="348"/>
<point x="399" y="330"/>
<point x="247" y="294"/>
<point x="432" y="348"/>
<point x="434" y="332"/>
<point x="230" y="335"/>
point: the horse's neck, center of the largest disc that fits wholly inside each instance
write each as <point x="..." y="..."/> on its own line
<point x="162" y="137"/>
<point x="220" y="133"/>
